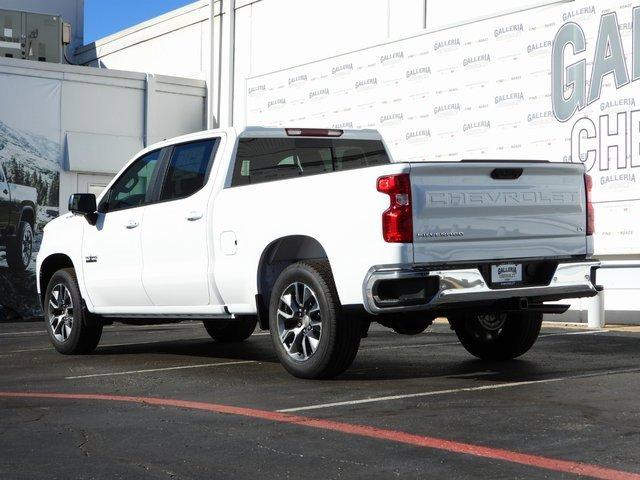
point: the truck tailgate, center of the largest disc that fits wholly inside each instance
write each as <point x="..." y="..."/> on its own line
<point x="477" y="211"/>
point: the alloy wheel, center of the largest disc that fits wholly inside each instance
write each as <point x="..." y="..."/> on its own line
<point x="61" y="312"/>
<point x="299" y="321"/>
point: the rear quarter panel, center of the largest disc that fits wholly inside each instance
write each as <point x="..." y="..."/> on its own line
<point x="341" y="210"/>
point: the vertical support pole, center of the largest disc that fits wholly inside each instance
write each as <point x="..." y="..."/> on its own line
<point x="149" y="93"/>
<point x="424" y="17"/>
<point x="227" y="62"/>
<point x="212" y="78"/>
<point x="596" y="312"/>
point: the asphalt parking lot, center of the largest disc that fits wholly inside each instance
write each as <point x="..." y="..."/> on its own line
<point x="168" y="402"/>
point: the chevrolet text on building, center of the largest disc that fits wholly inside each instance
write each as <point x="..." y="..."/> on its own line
<point x="193" y="228"/>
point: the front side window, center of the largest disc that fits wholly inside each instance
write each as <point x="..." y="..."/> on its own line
<point x="132" y="187"/>
<point x="187" y="171"/>
<point x="267" y="159"/>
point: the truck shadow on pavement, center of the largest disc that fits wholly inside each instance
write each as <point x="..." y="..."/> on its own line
<point x="369" y="368"/>
<point x="196" y="348"/>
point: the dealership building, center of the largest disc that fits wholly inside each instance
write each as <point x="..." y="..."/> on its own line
<point x="442" y="80"/>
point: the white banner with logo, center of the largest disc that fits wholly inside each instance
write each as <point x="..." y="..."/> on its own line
<point x="558" y="84"/>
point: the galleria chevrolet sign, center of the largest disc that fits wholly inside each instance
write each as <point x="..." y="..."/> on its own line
<point x="615" y="135"/>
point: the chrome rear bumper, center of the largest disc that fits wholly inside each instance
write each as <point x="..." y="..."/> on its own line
<point x="458" y="287"/>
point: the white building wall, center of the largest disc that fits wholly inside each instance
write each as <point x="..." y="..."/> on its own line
<point x="271" y="35"/>
<point x="176" y="43"/>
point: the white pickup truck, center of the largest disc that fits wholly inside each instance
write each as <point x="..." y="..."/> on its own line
<point x="314" y="234"/>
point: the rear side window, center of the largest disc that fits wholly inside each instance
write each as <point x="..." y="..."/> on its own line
<point x="187" y="169"/>
<point x="267" y="159"/>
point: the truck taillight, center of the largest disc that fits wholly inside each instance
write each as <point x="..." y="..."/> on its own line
<point x="397" y="220"/>
<point x="591" y="224"/>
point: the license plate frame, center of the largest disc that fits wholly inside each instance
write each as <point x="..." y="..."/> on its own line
<point x="506" y="273"/>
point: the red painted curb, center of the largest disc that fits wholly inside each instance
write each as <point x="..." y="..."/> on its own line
<point x="547" y="463"/>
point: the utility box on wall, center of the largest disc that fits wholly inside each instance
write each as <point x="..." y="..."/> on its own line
<point x="33" y="36"/>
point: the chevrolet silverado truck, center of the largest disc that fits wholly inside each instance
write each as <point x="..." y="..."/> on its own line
<point x="313" y="234"/>
<point x="18" y="205"/>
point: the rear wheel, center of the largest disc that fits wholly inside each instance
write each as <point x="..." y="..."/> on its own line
<point x="311" y="335"/>
<point x="498" y="336"/>
<point x="20" y="249"/>
<point x="71" y="330"/>
<point x="236" y="330"/>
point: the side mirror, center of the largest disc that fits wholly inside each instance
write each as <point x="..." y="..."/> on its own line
<point x="84" y="204"/>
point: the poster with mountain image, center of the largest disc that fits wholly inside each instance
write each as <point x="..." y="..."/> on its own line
<point x="30" y="159"/>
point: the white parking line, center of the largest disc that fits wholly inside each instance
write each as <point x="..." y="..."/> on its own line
<point x="413" y="345"/>
<point x="115" y="328"/>
<point x="457" y="390"/>
<point x="148" y="370"/>
<point x="28" y="332"/>
<point x="587" y="332"/>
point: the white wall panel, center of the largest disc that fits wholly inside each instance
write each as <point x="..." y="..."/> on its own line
<point x="103" y="109"/>
<point x="180" y="53"/>
<point x="176" y="114"/>
<point x="445" y="13"/>
<point x="99" y="153"/>
<point x="406" y="17"/>
<point x="290" y="32"/>
<point x="242" y="67"/>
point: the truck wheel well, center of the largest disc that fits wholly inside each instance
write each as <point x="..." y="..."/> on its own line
<point x="276" y="257"/>
<point x="28" y="215"/>
<point x="51" y="265"/>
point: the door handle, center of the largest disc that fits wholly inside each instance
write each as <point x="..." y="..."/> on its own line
<point x="132" y="224"/>
<point x="193" y="216"/>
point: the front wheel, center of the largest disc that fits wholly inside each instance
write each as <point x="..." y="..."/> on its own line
<point x="498" y="336"/>
<point x="311" y="335"/>
<point x="72" y="331"/>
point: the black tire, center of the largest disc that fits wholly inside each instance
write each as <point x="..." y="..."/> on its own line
<point x="509" y="336"/>
<point x="85" y="330"/>
<point x="338" y="337"/>
<point x="236" y="330"/>
<point x="20" y="248"/>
